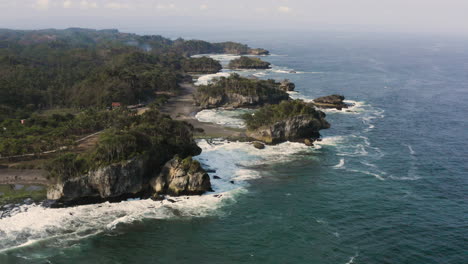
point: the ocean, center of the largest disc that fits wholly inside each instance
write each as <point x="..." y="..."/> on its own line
<point x="388" y="183"/>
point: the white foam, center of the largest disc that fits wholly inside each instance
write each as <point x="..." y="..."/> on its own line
<point x="405" y="178"/>
<point x="222" y="58"/>
<point x="340" y="164"/>
<point x="232" y="162"/>
<point x="370" y="173"/>
<point x="35" y="223"/>
<point x="412" y="152"/>
<point x="228" y="118"/>
<point x="351" y="260"/>
<point x="209" y="78"/>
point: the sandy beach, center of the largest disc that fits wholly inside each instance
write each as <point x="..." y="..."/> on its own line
<point x="182" y="107"/>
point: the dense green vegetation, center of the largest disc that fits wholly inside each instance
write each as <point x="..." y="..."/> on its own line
<point x="81" y="68"/>
<point x="18" y="193"/>
<point x="248" y="63"/>
<point x="201" y="65"/>
<point x="61" y="82"/>
<point x="271" y="114"/>
<point x="152" y="135"/>
<point x="42" y="133"/>
<point x="239" y="85"/>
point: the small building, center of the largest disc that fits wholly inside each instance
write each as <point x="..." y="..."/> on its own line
<point x="116" y="104"/>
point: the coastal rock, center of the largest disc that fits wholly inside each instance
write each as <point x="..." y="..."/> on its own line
<point x="258" y="52"/>
<point x="294" y="129"/>
<point x="235" y="91"/>
<point x="331" y="101"/>
<point x="235" y="100"/>
<point x="287" y="86"/>
<point x="115" y="180"/>
<point x="181" y="177"/>
<point x="309" y="142"/>
<point x="248" y="63"/>
<point x="258" y="145"/>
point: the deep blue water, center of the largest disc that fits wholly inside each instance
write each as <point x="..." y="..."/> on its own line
<point x="388" y="185"/>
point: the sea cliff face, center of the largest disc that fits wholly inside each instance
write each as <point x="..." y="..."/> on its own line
<point x="235" y="100"/>
<point x="181" y="177"/>
<point x="331" y="101"/>
<point x="236" y="91"/>
<point x="113" y="181"/>
<point x="248" y="63"/>
<point x="133" y="178"/>
<point x="294" y="129"/>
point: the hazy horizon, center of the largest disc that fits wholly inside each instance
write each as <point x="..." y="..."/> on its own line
<point x="148" y="16"/>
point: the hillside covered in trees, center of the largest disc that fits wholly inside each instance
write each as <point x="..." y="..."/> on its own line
<point x="80" y="68"/>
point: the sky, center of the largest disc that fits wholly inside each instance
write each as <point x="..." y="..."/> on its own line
<point x="430" y="16"/>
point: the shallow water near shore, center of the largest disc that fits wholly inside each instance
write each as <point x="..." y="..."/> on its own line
<point x="387" y="184"/>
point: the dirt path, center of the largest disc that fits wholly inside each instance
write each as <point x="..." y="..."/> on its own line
<point x="182" y="107"/>
<point x="12" y="176"/>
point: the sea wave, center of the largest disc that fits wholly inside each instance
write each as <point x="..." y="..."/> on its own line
<point x="208" y="78"/>
<point x="234" y="162"/>
<point x="340" y="164"/>
<point x="228" y="118"/>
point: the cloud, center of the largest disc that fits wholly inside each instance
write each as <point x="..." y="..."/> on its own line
<point x="284" y="9"/>
<point x="88" y="4"/>
<point x="116" y="5"/>
<point x="42" y="4"/>
<point x="67" y="4"/>
<point x="162" y="6"/>
<point x="204" y="7"/>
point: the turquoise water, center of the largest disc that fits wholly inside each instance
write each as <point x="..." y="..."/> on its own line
<point x="387" y="185"/>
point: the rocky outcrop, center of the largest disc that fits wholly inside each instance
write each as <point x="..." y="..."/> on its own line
<point x="121" y="179"/>
<point x="295" y="129"/>
<point x="258" y="52"/>
<point x="133" y="178"/>
<point x="235" y="100"/>
<point x="331" y="101"/>
<point x="235" y="91"/>
<point x="181" y="177"/>
<point x="248" y="63"/>
<point x="287" y="86"/>
<point x="258" y="145"/>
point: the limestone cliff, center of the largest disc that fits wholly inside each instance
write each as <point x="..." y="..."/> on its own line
<point x="181" y="177"/>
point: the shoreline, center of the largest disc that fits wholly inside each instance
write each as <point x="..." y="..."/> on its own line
<point x="183" y="108"/>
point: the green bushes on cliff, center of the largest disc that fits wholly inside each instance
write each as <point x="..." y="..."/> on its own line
<point x="152" y="134"/>
<point x="201" y="65"/>
<point x="44" y="132"/>
<point x="248" y="63"/>
<point x="271" y="114"/>
<point x="228" y="90"/>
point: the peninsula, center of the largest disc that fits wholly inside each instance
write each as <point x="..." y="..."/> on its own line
<point x="106" y="116"/>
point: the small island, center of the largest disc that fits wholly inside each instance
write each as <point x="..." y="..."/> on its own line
<point x="202" y="65"/>
<point x="235" y="92"/>
<point x="331" y="101"/>
<point x="292" y="120"/>
<point x="248" y="63"/>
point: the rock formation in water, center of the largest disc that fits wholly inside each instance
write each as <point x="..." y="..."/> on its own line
<point x="289" y="121"/>
<point x="248" y="63"/>
<point x="331" y="101"/>
<point x="294" y="129"/>
<point x="287" y="85"/>
<point x="258" y="52"/>
<point x="131" y="179"/>
<point x="181" y="177"/>
<point x="235" y="91"/>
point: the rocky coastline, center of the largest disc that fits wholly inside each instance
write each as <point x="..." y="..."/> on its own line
<point x="140" y="177"/>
